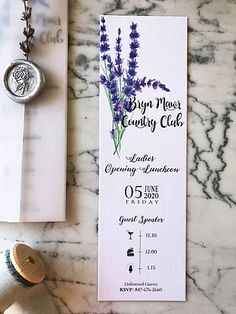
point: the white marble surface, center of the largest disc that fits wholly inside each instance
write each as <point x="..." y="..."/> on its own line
<point x="70" y="249"/>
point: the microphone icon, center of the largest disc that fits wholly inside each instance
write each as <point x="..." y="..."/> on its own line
<point x="130" y="268"/>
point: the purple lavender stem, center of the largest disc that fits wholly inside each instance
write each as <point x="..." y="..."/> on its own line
<point x="129" y="89"/>
<point x="104" y="45"/>
<point x="118" y="61"/>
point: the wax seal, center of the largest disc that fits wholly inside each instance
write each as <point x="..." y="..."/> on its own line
<point x="23" y="80"/>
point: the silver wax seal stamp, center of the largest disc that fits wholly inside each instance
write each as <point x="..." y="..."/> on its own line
<point x="23" y="80"/>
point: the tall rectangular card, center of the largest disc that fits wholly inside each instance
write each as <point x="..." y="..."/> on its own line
<point x="33" y="137"/>
<point x="143" y="108"/>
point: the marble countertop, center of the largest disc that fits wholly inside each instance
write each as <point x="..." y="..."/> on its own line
<point x="70" y="249"/>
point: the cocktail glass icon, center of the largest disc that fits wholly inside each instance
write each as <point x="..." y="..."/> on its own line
<point x="130" y="234"/>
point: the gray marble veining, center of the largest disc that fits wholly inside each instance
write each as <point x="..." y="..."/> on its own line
<point x="70" y="249"/>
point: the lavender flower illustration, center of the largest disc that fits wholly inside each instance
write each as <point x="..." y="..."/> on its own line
<point x="121" y="84"/>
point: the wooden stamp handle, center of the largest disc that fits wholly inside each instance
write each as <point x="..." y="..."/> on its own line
<point x="27" y="263"/>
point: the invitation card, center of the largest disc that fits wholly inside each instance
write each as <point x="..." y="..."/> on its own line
<point x="33" y="137"/>
<point x="143" y="121"/>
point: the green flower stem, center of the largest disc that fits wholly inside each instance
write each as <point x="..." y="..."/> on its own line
<point x="120" y="86"/>
<point x="112" y="111"/>
<point x="119" y="131"/>
<point x="109" y="101"/>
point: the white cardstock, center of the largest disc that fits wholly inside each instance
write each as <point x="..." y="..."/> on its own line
<point x="143" y="122"/>
<point x="33" y="136"/>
